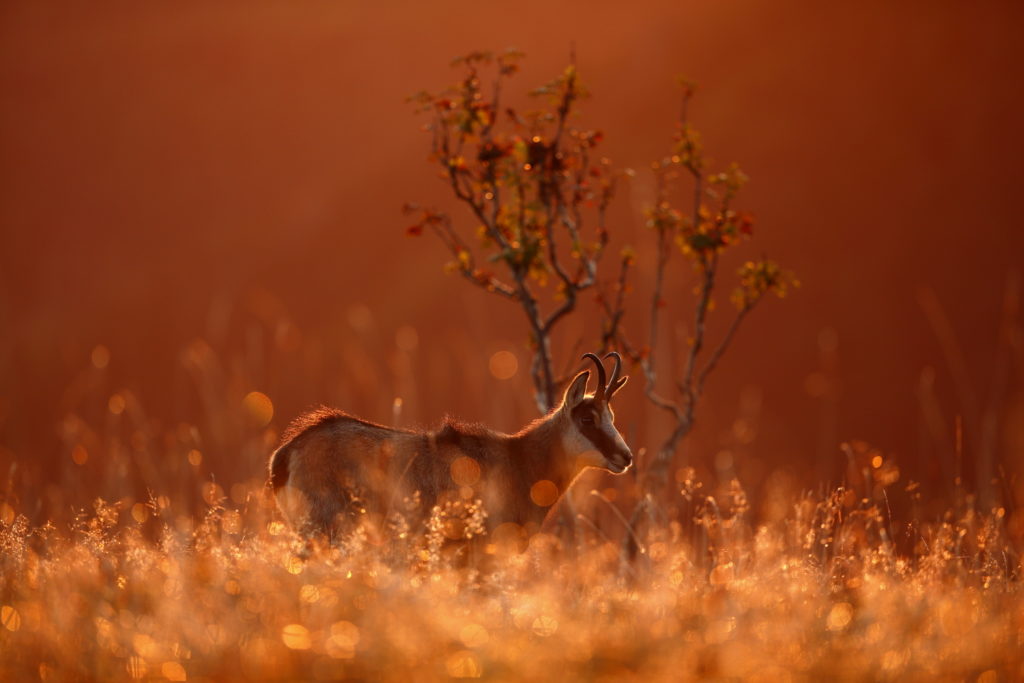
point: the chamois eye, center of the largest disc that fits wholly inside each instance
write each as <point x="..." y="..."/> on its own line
<point x="587" y="419"/>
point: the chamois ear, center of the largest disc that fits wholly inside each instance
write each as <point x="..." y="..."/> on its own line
<point x="577" y="390"/>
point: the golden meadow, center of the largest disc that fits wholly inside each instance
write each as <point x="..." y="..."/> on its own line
<point x="198" y="580"/>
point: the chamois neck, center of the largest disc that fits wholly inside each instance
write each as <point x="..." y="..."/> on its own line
<point x="542" y="453"/>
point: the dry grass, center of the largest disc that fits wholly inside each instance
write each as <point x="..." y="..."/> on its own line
<point x="820" y="594"/>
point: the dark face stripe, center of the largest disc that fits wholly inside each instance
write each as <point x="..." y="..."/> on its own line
<point x="593" y="432"/>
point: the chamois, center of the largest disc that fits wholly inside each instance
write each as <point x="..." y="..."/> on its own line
<point x="334" y="471"/>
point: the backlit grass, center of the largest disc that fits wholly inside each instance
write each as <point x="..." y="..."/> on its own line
<point x="821" y="594"/>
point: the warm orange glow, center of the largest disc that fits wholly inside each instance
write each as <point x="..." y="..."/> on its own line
<point x="345" y="634"/>
<point x="136" y="667"/>
<point x="464" y="664"/>
<point x="239" y="493"/>
<point x="173" y="671"/>
<point x="544" y="493"/>
<point x="724" y="459"/>
<point x="213" y="494"/>
<point x="465" y="471"/>
<point x="116" y="404"/>
<point x="360" y="318"/>
<point x="259" y="408"/>
<point x="407" y="339"/>
<point x="140" y="513"/>
<point x="296" y="637"/>
<point x="100" y="357"/>
<point x="212" y="195"/>
<point x="231" y="522"/>
<point x="840" y="616"/>
<point x="309" y="593"/>
<point x="474" y="635"/>
<point x="10" y="618"/>
<point x="509" y="538"/>
<point x="503" y="365"/>
<point x="545" y="625"/>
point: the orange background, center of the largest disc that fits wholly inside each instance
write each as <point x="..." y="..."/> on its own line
<point x="235" y="174"/>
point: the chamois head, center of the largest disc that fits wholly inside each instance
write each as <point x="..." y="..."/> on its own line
<point x="591" y="435"/>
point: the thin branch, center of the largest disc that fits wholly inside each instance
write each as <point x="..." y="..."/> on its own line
<point x="686" y="386"/>
<point x="723" y="345"/>
<point x="456" y="246"/>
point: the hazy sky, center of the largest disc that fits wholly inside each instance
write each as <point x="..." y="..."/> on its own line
<point x="157" y="161"/>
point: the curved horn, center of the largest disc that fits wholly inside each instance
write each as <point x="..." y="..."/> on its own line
<point x="615" y="370"/>
<point x="616" y="382"/>
<point x="601" y="377"/>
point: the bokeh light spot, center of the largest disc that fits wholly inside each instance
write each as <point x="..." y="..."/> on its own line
<point x="294" y="564"/>
<point x="544" y="493"/>
<point x="195" y="457"/>
<point x="79" y="454"/>
<point x="309" y="593"/>
<point x="259" y="408"/>
<point x="10" y="618"/>
<point x="839" y="616"/>
<point x="100" y="357"/>
<point x="464" y="664"/>
<point x="343" y="640"/>
<point x="173" y="671"/>
<point x="116" y="404"/>
<point x="465" y="471"/>
<point x="545" y="625"/>
<point x="140" y="513"/>
<point x="296" y="637"/>
<point x="503" y="365"/>
<point x="345" y="633"/>
<point x="136" y="667"/>
<point x="144" y="645"/>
